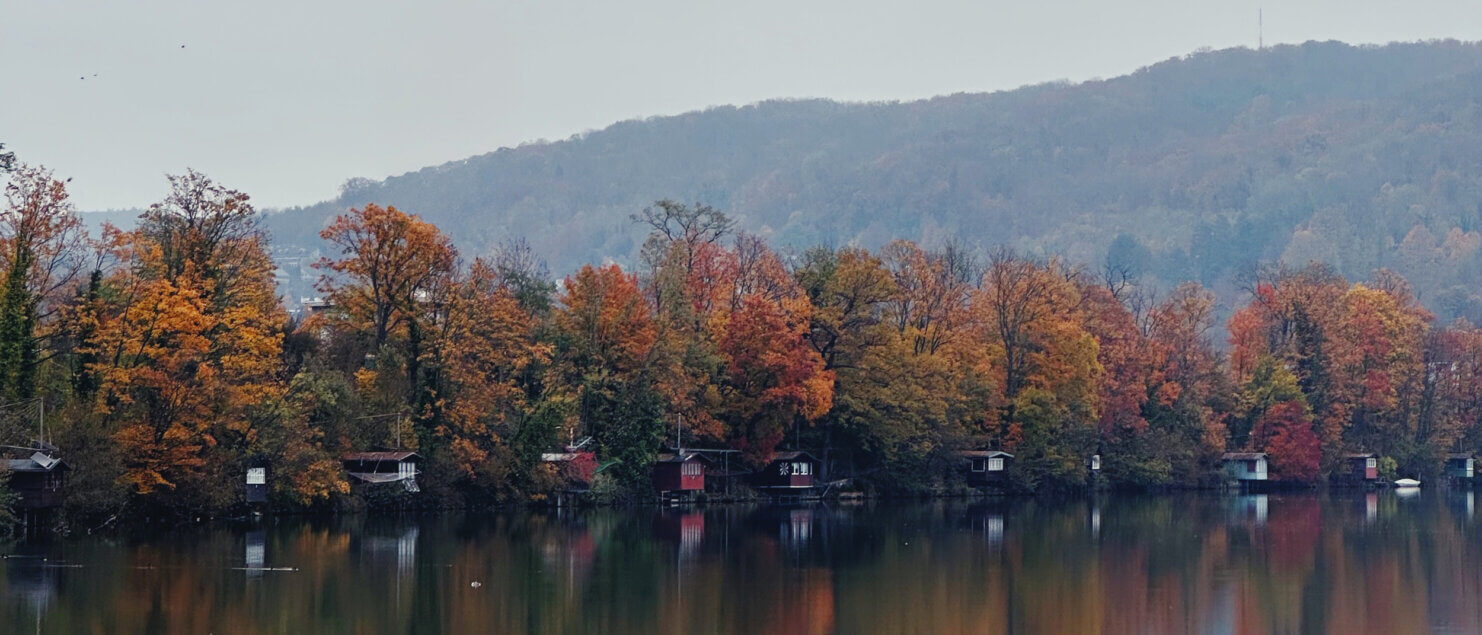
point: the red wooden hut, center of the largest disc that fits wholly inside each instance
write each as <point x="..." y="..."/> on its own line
<point x="788" y="474"/>
<point x="574" y="467"/>
<point x="1359" y="468"/>
<point x="679" y="473"/>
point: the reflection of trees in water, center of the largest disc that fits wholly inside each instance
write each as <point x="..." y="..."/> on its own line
<point x="1122" y="564"/>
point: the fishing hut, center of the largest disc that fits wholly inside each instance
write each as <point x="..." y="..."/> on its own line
<point x="575" y="468"/>
<point x="679" y="475"/>
<point x="1358" y="468"/>
<point x="1245" y="467"/>
<point x="985" y="468"/>
<point x="36" y="476"/>
<point x="38" y="481"/>
<point x="384" y="468"/>
<point x="1460" y="467"/>
<point x="789" y="474"/>
<point x="257" y="480"/>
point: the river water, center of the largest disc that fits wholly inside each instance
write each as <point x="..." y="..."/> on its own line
<point x="1296" y="563"/>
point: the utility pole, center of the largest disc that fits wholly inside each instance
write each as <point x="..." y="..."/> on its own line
<point x="1260" y="29"/>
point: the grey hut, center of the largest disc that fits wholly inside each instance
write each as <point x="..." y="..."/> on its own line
<point x="1245" y="466"/>
<point x="377" y="468"/>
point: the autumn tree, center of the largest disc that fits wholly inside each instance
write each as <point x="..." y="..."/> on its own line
<point x="1379" y="367"/>
<point x="480" y="356"/>
<point x="933" y="287"/>
<point x="187" y="355"/>
<point x="1029" y="317"/>
<point x="1285" y="433"/>
<point x="390" y="263"/>
<point x="605" y="343"/>
<point x="41" y="253"/>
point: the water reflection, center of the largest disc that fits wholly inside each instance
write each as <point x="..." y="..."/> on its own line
<point x="1269" y="563"/>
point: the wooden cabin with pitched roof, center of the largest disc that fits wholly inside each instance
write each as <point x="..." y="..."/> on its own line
<point x="679" y="473"/>
<point x="983" y="468"/>
<point x="1245" y="466"/>
<point x="792" y="473"/>
<point x="1358" y="468"/>
<point x="1460" y="467"/>
<point x="38" y="481"/>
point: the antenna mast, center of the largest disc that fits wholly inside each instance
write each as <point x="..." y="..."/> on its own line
<point x="1260" y="29"/>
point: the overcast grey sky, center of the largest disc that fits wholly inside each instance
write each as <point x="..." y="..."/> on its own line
<point x="286" y="100"/>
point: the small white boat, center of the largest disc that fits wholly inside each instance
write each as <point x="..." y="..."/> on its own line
<point x="1406" y="483"/>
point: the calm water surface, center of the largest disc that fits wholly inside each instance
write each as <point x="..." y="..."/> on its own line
<point x="1354" y="563"/>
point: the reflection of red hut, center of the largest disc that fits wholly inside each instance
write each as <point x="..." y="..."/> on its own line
<point x="686" y="529"/>
<point x="680" y="473"/>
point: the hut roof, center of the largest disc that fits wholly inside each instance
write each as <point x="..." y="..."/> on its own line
<point x="793" y="456"/>
<point x="1457" y="456"/>
<point x="562" y="457"/>
<point x="379" y="477"/>
<point x="1360" y="455"/>
<point x="1243" y="456"/>
<point x="678" y="457"/>
<point x="400" y="455"/>
<point x="984" y="454"/>
<point x="37" y="462"/>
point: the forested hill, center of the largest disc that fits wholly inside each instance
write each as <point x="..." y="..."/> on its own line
<point x="1192" y="168"/>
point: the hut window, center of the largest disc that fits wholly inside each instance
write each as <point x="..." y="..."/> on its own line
<point x="995" y="464"/>
<point x="1096" y="461"/>
<point x="257" y="476"/>
<point x="1371" y="462"/>
<point x="801" y="469"/>
<point x="1250" y="466"/>
<point x="406" y="469"/>
<point x="980" y="465"/>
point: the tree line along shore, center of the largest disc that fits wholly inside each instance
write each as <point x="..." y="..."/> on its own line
<point x="162" y="366"/>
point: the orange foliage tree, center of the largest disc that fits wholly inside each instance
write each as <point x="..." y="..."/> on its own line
<point x="188" y="353"/>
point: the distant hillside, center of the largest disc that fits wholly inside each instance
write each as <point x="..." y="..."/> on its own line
<point x="1192" y="168"/>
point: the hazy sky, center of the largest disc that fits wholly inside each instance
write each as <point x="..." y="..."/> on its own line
<point x="286" y="100"/>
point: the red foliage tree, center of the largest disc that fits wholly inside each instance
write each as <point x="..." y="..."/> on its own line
<point x="1285" y="432"/>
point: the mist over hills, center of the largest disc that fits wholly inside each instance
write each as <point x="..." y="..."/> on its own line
<point x="1193" y="168"/>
